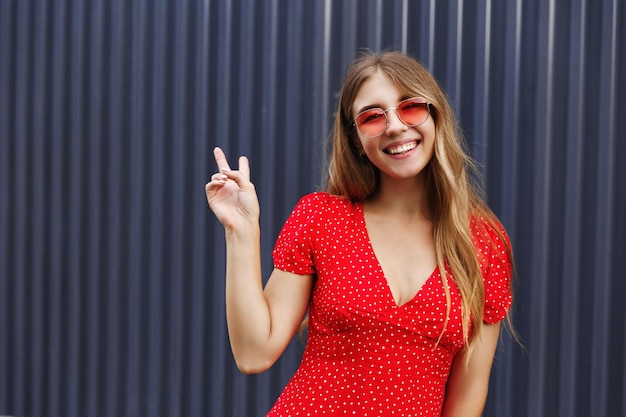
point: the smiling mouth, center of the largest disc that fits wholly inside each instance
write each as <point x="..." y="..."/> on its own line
<point x="402" y="148"/>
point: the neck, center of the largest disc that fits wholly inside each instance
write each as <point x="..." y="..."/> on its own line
<point x="402" y="198"/>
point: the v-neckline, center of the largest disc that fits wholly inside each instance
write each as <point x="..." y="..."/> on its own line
<point x="382" y="276"/>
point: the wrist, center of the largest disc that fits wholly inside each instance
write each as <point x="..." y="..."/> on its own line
<point x="243" y="229"/>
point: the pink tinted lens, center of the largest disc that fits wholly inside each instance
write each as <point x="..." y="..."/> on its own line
<point x="372" y="122"/>
<point x="413" y="112"/>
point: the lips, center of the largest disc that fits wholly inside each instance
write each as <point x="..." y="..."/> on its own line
<point x="400" y="149"/>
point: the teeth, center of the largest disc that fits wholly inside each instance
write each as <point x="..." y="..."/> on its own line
<point x="401" y="149"/>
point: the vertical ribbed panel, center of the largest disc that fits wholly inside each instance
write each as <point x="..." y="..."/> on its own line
<point x="112" y="266"/>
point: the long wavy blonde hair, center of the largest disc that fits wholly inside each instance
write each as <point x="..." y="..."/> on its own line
<point x="454" y="197"/>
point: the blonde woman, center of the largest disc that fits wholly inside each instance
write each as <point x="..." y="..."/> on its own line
<point x="404" y="271"/>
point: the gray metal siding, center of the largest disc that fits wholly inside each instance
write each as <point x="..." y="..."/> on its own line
<point x="112" y="266"/>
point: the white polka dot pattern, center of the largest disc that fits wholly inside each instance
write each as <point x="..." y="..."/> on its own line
<point x="365" y="355"/>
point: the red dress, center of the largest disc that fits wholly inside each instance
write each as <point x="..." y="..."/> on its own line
<point x="365" y="355"/>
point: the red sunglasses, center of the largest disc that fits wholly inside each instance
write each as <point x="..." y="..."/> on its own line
<point x="373" y="122"/>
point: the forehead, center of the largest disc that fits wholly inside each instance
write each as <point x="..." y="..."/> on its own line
<point x="379" y="91"/>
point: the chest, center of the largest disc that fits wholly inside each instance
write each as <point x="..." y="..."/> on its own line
<point x="405" y="254"/>
<point x="352" y="291"/>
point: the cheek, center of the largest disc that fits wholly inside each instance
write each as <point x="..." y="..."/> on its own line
<point x="368" y="146"/>
<point x="429" y="134"/>
<point x="361" y="143"/>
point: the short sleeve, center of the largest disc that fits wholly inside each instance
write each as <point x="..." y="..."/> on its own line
<point x="497" y="270"/>
<point x="294" y="248"/>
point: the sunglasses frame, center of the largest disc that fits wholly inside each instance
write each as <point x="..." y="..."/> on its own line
<point x="422" y="101"/>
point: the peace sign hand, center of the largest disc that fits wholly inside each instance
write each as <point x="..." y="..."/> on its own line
<point x="231" y="195"/>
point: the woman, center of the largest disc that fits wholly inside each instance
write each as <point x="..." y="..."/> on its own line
<point x="403" y="269"/>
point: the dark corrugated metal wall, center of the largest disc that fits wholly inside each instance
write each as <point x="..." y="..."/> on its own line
<point x="111" y="265"/>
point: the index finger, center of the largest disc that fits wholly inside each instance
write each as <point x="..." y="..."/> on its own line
<point x="220" y="158"/>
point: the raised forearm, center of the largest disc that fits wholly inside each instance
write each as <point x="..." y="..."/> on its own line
<point x="247" y="311"/>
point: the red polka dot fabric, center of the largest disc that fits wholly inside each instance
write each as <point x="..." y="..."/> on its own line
<point x="365" y="355"/>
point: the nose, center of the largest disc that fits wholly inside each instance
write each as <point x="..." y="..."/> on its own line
<point x="394" y="124"/>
